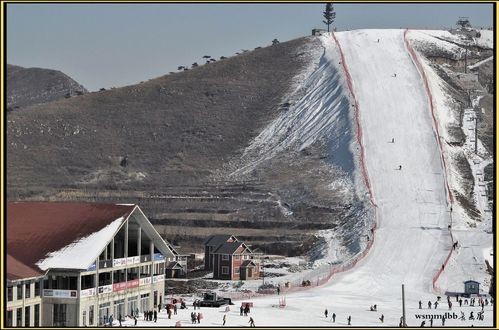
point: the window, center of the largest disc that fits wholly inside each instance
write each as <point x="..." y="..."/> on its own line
<point x="19" y="317"/>
<point x="10" y="293"/>
<point x="237" y="257"/>
<point x="37" y="315"/>
<point x="19" y="292"/>
<point x="91" y="315"/>
<point x="236" y="270"/>
<point x="9" y="319"/>
<point x="246" y="257"/>
<point x="225" y="257"/>
<point x="225" y="270"/>
<point x="59" y="315"/>
<point x="27" y="312"/>
<point x="27" y="290"/>
<point x="37" y="288"/>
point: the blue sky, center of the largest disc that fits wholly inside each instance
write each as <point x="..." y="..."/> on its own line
<point x="105" y="45"/>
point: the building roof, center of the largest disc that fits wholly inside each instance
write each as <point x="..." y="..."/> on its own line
<point x="173" y="265"/>
<point x="248" y="263"/>
<point x="217" y="240"/>
<point x="230" y="248"/>
<point x="43" y="235"/>
<point x="471" y="281"/>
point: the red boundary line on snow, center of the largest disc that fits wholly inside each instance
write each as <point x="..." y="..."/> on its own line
<point x="450" y="196"/>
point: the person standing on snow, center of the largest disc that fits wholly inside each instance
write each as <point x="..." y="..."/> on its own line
<point x="429" y="304"/>
<point x="225" y="319"/>
<point x="400" y="167"/>
<point x="333" y="317"/>
<point x="382" y="318"/>
<point x="325" y="313"/>
<point x="420" y="303"/>
<point x="349" y="319"/>
<point x="436" y="304"/>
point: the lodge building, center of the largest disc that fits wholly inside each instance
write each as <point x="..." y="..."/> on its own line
<point x="76" y="264"/>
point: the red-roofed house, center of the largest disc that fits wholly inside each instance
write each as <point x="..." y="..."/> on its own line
<point x="234" y="260"/>
<point x="75" y="264"/>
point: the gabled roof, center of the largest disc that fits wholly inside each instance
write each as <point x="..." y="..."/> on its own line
<point x="173" y="265"/>
<point x="248" y="263"/>
<point x="217" y="240"/>
<point x="43" y="235"/>
<point x="230" y="248"/>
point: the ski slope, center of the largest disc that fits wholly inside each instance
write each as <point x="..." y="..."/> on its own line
<point x="411" y="240"/>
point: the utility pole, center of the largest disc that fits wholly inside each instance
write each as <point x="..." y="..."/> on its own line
<point x="476" y="132"/>
<point x="404" y="324"/>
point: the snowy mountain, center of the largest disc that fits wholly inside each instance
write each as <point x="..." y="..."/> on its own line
<point x="355" y="149"/>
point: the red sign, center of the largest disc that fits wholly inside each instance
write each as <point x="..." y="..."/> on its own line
<point x="132" y="284"/>
<point x="119" y="286"/>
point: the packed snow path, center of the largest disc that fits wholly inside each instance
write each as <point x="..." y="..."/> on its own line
<point x="412" y="237"/>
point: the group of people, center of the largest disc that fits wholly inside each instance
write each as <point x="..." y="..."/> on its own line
<point x="151" y="316"/>
<point x="196" y="317"/>
<point x="244" y="309"/>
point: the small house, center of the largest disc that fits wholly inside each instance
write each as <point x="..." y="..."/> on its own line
<point x="318" y="32"/>
<point x="234" y="261"/>
<point x="213" y="243"/>
<point x="471" y="287"/>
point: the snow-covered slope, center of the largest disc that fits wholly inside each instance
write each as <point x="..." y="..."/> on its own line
<point x="411" y="241"/>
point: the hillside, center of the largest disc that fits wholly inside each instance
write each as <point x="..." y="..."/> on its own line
<point x="173" y="145"/>
<point x="29" y="86"/>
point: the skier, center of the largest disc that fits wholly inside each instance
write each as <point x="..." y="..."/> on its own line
<point x="463" y="317"/>
<point x="382" y="318"/>
<point x="375" y="307"/>
<point x="394" y="75"/>
<point x="429" y="304"/>
<point x="325" y="313"/>
<point x="175" y="309"/>
<point x="251" y="322"/>
<point x="431" y="322"/>
<point x="378" y="41"/>
<point x="119" y="319"/>
<point x="393" y="140"/>
<point x="135" y="320"/>
<point x="400" y="167"/>
<point x="420" y="303"/>
<point x="443" y="321"/>
<point x="225" y="319"/>
<point x="472" y="317"/>
<point x="241" y="310"/>
<point x="333" y="318"/>
<point x="156" y="315"/>
<point x="349" y="319"/>
<point x="422" y="324"/>
<point x="436" y="304"/>
<point x="278" y="290"/>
